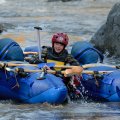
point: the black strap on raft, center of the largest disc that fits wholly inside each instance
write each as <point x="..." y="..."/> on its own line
<point x="58" y="73"/>
<point x="5" y="72"/>
<point x="99" y="53"/>
<point x="22" y="73"/>
<point x="118" y="67"/>
<point x="17" y="84"/>
<point x="4" y="68"/>
<point x="4" y="65"/>
<point x="96" y="77"/>
<point x="96" y="72"/>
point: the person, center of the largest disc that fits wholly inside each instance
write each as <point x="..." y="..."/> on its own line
<point x="59" y="55"/>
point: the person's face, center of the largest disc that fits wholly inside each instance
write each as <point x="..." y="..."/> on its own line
<point x="58" y="47"/>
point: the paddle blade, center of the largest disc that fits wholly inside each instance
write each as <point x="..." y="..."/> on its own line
<point x="41" y="65"/>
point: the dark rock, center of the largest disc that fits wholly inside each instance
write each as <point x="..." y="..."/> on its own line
<point x="107" y="38"/>
<point x="1" y="28"/>
<point x="5" y="26"/>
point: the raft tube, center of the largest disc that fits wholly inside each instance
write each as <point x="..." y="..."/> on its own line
<point x="10" y="50"/>
<point x="31" y="89"/>
<point x="85" y="53"/>
<point x="27" y="88"/>
<point x="105" y="87"/>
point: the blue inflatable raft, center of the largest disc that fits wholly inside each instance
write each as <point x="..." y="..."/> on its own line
<point x="98" y="87"/>
<point x="102" y="87"/>
<point x="30" y="88"/>
<point x="27" y="87"/>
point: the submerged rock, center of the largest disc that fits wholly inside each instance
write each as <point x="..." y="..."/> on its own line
<point x="107" y="38"/>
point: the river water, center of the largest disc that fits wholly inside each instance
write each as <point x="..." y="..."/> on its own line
<point x="80" y="19"/>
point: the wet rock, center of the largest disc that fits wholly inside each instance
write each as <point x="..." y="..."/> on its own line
<point x="5" y="26"/>
<point x="107" y="38"/>
<point x="1" y="28"/>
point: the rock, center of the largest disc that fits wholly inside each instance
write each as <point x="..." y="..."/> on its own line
<point x="1" y="28"/>
<point x="5" y="26"/>
<point x="107" y="38"/>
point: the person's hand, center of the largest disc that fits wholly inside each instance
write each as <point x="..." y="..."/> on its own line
<point x="35" y="60"/>
<point x="47" y="67"/>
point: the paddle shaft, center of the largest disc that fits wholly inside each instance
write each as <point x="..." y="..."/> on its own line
<point x="96" y="72"/>
<point x="96" y="65"/>
<point x="39" y="42"/>
<point x="9" y="64"/>
<point x="28" y="53"/>
<point x="67" y="72"/>
<point x="70" y="70"/>
<point x="84" y="66"/>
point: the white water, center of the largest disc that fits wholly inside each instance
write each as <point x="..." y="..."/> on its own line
<point x="80" y="19"/>
<point x="2" y="1"/>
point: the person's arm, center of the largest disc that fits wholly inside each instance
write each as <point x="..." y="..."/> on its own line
<point x="71" y="60"/>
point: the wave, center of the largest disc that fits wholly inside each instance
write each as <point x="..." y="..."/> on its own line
<point x="2" y="1"/>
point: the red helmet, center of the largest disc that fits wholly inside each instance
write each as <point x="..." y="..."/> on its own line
<point x="60" y="38"/>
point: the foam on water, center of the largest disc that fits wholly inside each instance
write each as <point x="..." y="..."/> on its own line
<point x="80" y="19"/>
<point x="2" y="1"/>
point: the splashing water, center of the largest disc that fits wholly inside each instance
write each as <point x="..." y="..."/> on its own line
<point x="80" y="19"/>
<point x="2" y="1"/>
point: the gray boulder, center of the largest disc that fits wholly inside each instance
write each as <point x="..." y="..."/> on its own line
<point x="107" y="38"/>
